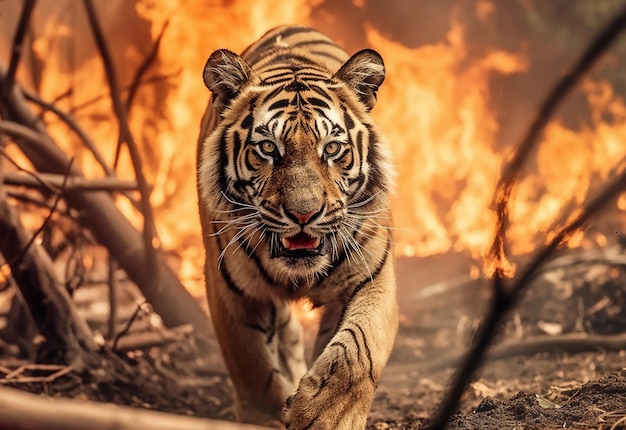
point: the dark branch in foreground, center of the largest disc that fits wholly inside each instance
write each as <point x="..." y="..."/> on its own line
<point x="505" y="299"/>
<point x="18" y="40"/>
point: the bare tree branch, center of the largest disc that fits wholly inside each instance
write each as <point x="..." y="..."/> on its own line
<point x="99" y="214"/>
<point x="503" y="301"/>
<point x="76" y="109"/>
<point x="34" y="177"/>
<point x="134" y="85"/>
<point x="73" y="125"/>
<point x="144" y="67"/>
<point x="15" y="259"/>
<point x="567" y="83"/>
<point x="73" y="183"/>
<point x="18" y="40"/>
<point x="127" y="136"/>
<point x="67" y="337"/>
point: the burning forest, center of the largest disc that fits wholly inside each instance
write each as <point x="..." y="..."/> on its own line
<point x="507" y="123"/>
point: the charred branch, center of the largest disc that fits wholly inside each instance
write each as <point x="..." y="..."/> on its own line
<point x="143" y="69"/>
<point x="49" y="303"/>
<point x="73" y="183"/>
<point x="149" y="339"/>
<point x="18" y="40"/>
<point x="127" y="136"/>
<point x="73" y="125"/>
<point x="506" y="297"/>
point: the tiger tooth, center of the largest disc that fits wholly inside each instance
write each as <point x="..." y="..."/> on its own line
<point x="285" y="242"/>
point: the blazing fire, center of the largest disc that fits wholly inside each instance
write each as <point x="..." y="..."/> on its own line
<point x="434" y="107"/>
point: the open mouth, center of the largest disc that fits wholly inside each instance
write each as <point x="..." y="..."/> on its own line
<point x="300" y="245"/>
<point x="300" y="241"/>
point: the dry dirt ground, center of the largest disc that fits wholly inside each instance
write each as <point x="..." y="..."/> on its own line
<point x="558" y="362"/>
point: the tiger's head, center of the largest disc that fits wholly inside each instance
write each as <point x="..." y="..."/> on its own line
<point x="295" y="164"/>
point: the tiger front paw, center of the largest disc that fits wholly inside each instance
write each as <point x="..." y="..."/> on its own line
<point x="317" y="406"/>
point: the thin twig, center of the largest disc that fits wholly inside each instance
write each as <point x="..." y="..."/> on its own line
<point x="36" y="179"/>
<point x="503" y="300"/>
<point x="18" y="256"/>
<point x="113" y="302"/>
<point x="127" y="136"/>
<point x="39" y="202"/>
<point x="608" y="195"/>
<point x="15" y="373"/>
<point x="126" y="328"/>
<point x="73" y="125"/>
<point x="18" y="39"/>
<point x="144" y="67"/>
<point x="134" y="85"/>
<point x="77" y="108"/>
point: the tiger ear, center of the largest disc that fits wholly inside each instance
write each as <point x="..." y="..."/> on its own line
<point x="225" y="74"/>
<point x="364" y="72"/>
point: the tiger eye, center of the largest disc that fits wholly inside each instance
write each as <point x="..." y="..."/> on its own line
<point x="332" y="148"/>
<point x="268" y="147"/>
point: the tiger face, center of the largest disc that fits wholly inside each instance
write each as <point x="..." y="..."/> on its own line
<point x="295" y="162"/>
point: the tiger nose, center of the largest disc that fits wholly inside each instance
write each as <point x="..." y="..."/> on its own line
<point x="303" y="218"/>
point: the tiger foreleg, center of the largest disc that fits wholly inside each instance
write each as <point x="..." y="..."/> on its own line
<point x="262" y="347"/>
<point x="338" y="390"/>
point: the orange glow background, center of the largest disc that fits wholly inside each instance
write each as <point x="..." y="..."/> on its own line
<point x="436" y="107"/>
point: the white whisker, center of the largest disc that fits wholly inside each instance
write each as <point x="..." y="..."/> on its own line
<point x="240" y="204"/>
<point x="366" y="201"/>
<point x="356" y="246"/>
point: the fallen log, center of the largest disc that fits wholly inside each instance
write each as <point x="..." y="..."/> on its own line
<point x="24" y="411"/>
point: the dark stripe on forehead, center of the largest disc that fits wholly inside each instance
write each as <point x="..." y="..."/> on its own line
<point x="315" y="42"/>
<point x="280" y="104"/>
<point x="347" y="118"/>
<point x="311" y="75"/>
<point x="300" y="76"/>
<point x="272" y="94"/>
<point x="318" y="102"/>
<point x="328" y="55"/>
<point x="276" y="74"/>
<point x="321" y="91"/>
<point x="291" y="58"/>
<point x="292" y="64"/>
<point x="284" y="34"/>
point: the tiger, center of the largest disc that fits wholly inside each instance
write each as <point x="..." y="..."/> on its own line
<point x="294" y="184"/>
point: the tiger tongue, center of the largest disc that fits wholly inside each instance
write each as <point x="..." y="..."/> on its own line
<point x="300" y="241"/>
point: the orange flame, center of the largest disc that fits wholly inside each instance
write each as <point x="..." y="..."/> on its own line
<point x="434" y="108"/>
